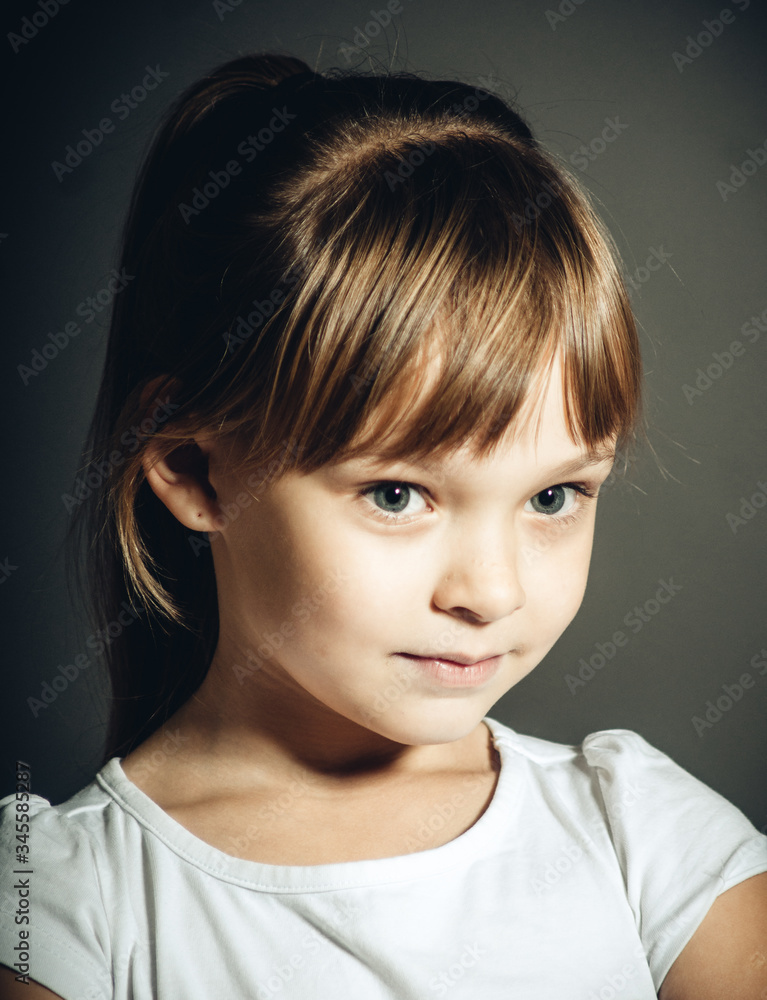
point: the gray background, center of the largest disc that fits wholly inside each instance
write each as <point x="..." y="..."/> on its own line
<point x="656" y="186"/>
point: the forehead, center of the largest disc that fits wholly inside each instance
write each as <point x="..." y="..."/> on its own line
<point x="538" y="437"/>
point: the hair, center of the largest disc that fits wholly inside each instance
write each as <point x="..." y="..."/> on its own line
<point x="298" y="244"/>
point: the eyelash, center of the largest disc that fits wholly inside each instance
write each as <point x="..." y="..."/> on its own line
<point x="583" y="495"/>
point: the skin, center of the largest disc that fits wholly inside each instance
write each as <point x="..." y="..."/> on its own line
<point x="470" y="567"/>
<point x="475" y="570"/>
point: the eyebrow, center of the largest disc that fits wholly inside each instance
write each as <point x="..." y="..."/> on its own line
<point x="594" y="456"/>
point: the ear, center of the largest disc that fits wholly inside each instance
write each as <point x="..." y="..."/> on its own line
<point x="180" y="479"/>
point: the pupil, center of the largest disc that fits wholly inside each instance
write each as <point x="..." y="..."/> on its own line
<point x="551" y="500"/>
<point x="394" y="496"/>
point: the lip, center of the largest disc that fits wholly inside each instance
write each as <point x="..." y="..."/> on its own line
<point x="464" y="672"/>
<point x="461" y="658"/>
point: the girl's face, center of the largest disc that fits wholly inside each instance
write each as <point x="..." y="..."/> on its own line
<point x="333" y="581"/>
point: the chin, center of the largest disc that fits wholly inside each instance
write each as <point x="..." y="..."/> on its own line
<point x="428" y="725"/>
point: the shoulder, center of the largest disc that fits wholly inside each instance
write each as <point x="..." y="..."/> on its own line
<point x="51" y="860"/>
<point x="679" y="844"/>
<point x="34" y="830"/>
<point x="663" y="822"/>
<point x="631" y="782"/>
<point x="697" y="868"/>
<point x="646" y="793"/>
<point x="69" y="833"/>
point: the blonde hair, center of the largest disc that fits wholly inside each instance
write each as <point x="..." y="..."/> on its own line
<point x="373" y="221"/>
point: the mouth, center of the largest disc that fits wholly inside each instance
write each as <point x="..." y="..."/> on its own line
<point x="458" y="670"/>
<point x="457" y="659"/>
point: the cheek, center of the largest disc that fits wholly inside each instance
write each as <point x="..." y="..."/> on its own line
<point x="278" y="573"/>
<point x="556" y="576"/>
<point x="333" y="584"/>
<point x="378" y="583"/>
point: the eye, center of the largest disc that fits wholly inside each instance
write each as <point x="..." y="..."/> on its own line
<point x="392" y="500"/>
<point x="561" y="501"/>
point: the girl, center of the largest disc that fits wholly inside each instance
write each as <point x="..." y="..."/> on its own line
<point x="372" y="364"/>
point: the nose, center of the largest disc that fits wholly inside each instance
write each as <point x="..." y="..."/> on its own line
<point x="481" y="582"/>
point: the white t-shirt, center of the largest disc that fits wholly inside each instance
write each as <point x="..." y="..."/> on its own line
<point x="584" y="878"/>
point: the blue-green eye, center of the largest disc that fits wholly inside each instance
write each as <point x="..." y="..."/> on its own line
<point x="391" y="499"/>
<point x="551" y="500"/>
<point x="564" y="501"/>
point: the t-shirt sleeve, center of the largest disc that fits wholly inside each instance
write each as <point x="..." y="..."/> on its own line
<point x="680" y="844"/>
<point x="58" y="892"/>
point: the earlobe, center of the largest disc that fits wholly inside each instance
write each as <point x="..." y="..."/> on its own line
<point x="180" y="481"/>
